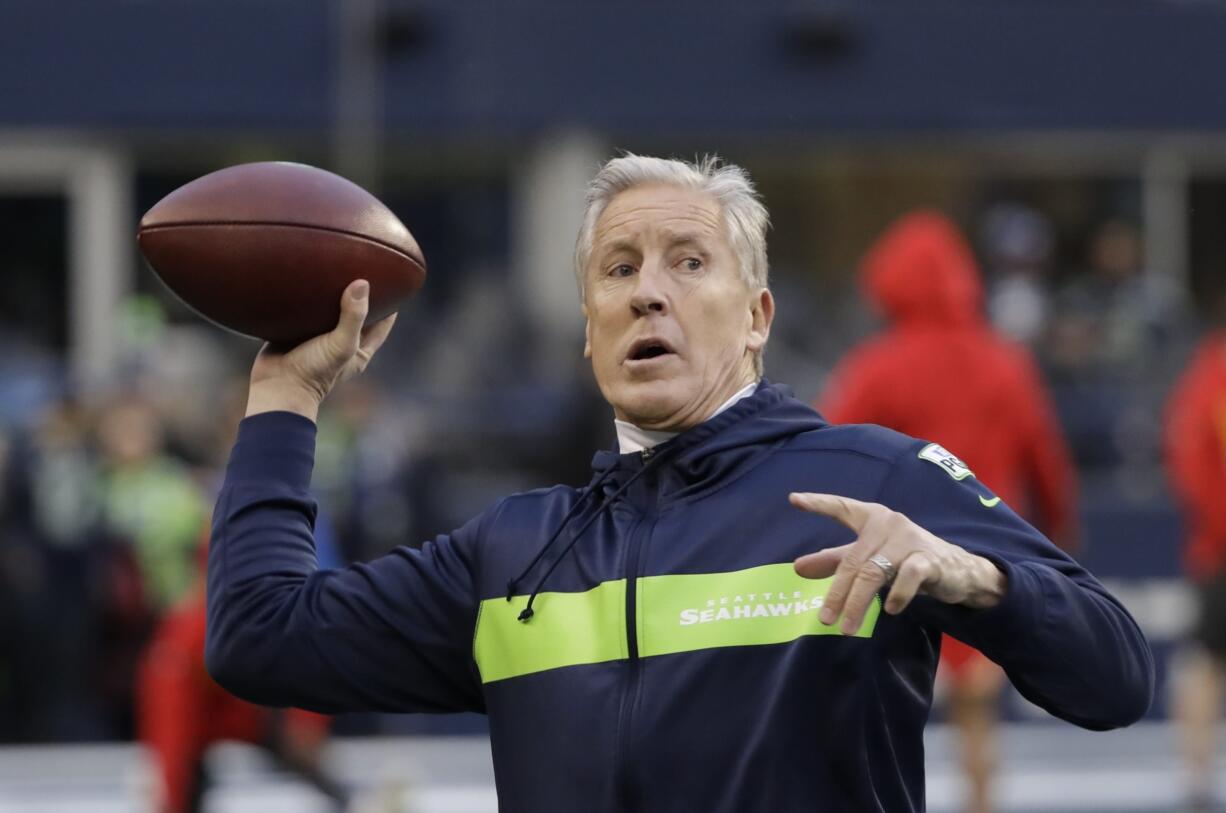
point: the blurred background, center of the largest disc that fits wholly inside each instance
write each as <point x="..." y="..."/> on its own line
<point x="1080" y="145"/>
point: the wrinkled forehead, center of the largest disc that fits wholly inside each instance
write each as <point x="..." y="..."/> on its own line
<point x="659" y="214"/>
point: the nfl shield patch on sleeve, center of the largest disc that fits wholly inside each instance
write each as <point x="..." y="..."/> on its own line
<point x="947" y="460"/>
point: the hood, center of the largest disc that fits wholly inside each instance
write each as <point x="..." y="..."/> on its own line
<point x="922" y="271"/>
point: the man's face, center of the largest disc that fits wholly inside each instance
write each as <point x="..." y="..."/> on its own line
<point x="671" y="326"/>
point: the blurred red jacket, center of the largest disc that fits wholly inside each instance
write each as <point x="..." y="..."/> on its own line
<point x="939" y="372"/>
<point x="1196" y="454"/>
<point x="181" y="711"/>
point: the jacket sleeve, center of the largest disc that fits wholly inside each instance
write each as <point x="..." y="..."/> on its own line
<point x="1065" y="642"/>
<point x="394" y="634"/>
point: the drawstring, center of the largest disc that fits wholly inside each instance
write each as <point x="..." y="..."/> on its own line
<point x="574" y="509"/>
<point x="528" y="612"/>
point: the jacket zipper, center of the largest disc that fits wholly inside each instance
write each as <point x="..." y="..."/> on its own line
<point x="630" y="697"/>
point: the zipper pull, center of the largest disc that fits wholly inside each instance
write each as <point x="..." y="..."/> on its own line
<point x="646" y="454"/>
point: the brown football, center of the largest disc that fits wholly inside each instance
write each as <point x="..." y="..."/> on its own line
<point x="266" y="249"/>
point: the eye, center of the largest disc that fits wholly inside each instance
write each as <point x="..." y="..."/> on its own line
<point x="621" y="270"/>
<point x="692" y="263"/>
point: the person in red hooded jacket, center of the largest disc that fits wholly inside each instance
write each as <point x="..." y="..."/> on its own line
<point x="940" y="372"/>
<point x="182" y="712"/>
<point x="1196" y="459"/>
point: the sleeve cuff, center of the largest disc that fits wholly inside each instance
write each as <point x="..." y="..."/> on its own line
<point x="277" y="447"/>
<point x="1020" y="612"/>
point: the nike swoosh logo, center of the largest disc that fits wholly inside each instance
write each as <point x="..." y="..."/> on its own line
<point x="988" y="503"/>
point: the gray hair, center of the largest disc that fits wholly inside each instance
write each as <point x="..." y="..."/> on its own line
<point x="745" y="217"/>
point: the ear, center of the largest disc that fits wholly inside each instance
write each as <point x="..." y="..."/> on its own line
<point x="761" y="313"/>
<point x="587" y="333"/>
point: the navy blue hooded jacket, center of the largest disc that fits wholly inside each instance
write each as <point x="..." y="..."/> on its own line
<point x="672" y="659"/>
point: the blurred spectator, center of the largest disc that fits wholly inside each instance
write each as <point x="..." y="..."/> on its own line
<point x="939" y="372"/>
<point x="1116" y="329"/>
<point x="62" y="499"/>
<point x="182" y="712"/>
<point x="1017" y="246"/>
<point x="151" y="513"/>
<point x="1115" y="319"/>
<point x="149" y="498"/>
<point x="54" y="568"/>
<point x="1196" y="454"/>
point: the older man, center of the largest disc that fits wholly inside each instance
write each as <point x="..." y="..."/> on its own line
<point x="675" y="635"/>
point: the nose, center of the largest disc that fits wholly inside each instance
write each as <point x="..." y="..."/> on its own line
<point x="648" y="294"/>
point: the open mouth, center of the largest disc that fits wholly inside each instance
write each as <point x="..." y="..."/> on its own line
<point x="646" y="349"/>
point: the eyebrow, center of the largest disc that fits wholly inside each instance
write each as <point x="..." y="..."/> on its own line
<point x="681" y="237"/>
<point x="615" y="247"/>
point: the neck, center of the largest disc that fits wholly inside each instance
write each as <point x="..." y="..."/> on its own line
<point x="635" y="438"/>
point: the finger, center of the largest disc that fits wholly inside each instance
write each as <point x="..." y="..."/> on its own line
<point x="355" y="302"/>
<point x="846" y="575"/>
<point x="373" y="336"/>
<point x="372" y="339"/>
<point x="869" y="579"/>
<point x="823" y="563"/>
<point x="914" y="572"/>
<point x="852" y="513"/>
